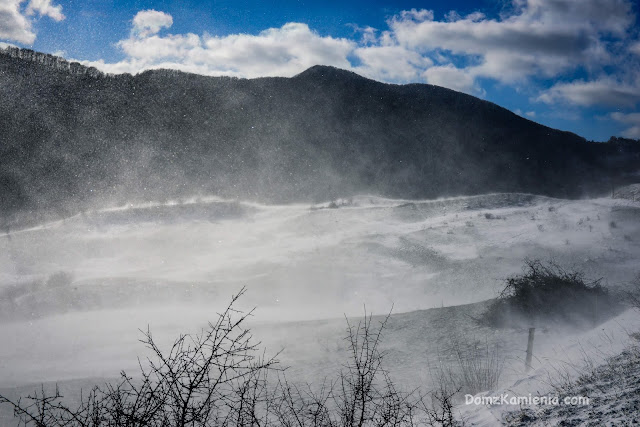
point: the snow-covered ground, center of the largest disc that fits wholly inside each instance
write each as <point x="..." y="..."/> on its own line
<point x="300" y="263"/>
<point x="173" y="266"/>
<point x="601" y="365"/>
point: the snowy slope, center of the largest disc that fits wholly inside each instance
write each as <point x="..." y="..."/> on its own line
<point x="601" y="364"/>
<point x="172" y="266"/>
<point x="302" y="263"/>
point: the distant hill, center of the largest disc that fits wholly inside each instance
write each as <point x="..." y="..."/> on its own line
<point x="72" y="138"/>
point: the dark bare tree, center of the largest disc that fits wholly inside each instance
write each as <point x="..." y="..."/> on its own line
<point x="219" y="377"/>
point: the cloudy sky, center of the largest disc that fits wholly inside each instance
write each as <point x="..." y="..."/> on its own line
<point x="569" y="64"/>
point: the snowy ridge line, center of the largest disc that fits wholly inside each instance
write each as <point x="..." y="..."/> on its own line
<point x="355" y="202"/>
<point x="375" y="201"/>
<point x="170" y="203"/>
<point x="40" y="227"/>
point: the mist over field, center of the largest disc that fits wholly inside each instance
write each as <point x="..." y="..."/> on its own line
<point x="148" y="201"/>
<point x="75" y="292"/>
<point x="310" y="261"/>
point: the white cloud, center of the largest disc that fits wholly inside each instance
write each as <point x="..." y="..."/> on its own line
<point x="632" y="119"/>
<point x="530" y="114"/>
<point x="605" y="91"/>
<point x="541" y="38"/>
<point x="632" y="132"/>
<point x="415" y="15"/>
<point x="45" y="8"/>
<point x="283" y="51"/>
<point x="628" y="118"/>
<point x="16" y="20"/>
<point x="149" y="22"/>
<point x="452" y="16"/>
<point x="536" y="40"/>
<point x="13" y="24"/>
<point x="368" y="33"/>
<point x="454" y="78"/>
<point x="153" y="48"/>
<point x="391" y="63"/>
<point x="475" y="16"/>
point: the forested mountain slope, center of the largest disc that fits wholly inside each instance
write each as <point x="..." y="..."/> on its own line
<point x="72" y="138"/>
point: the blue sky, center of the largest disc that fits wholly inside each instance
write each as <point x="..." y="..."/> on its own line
<point x="572" y="65"/>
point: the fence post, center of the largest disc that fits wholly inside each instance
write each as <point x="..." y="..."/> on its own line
<point x="527" y="363"/>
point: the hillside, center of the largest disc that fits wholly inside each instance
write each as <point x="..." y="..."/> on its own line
<point x="304" y="262"/>
<point x="73" y="138"/>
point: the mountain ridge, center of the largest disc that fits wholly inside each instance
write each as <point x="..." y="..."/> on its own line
<point x="62" y="64"/>
<point x="72" y="138"/>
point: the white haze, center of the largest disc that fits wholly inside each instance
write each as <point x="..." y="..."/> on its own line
<point x="172" y="267"/>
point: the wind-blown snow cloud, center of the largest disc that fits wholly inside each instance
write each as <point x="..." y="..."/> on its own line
<point x="16" y="20"/>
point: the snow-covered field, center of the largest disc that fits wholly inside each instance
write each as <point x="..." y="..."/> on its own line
<point x="173" y="266"/>
<point x="601" y="365"/>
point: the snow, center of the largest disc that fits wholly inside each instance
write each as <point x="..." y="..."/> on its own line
<point x="173" y="266"/>
<point x="602" y="364"/>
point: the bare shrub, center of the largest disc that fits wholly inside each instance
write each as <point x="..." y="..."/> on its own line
<point x="549" y="294"/>
<point x="480" y="368"/>
<point x="439" y="410"/>
<point x="216" y="377"/>
<point x="363" y="394"/>
<point x="219" y="378"/>
<point x="470" y="368"/>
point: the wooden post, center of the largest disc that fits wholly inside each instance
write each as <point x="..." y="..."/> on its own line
<point x="527" y="365"/>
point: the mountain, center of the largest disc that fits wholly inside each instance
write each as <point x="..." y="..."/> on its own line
<point x="72" y="138"/>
